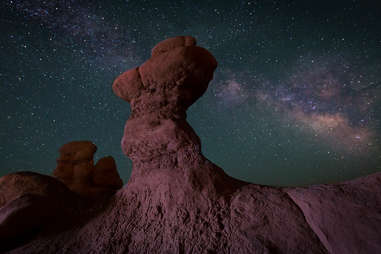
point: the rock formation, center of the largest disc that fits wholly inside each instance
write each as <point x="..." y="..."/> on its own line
<point x="75" y="168"/>
<point x="177" y="201"/>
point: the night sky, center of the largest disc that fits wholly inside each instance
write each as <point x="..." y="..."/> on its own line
<point x="296" y="98"/>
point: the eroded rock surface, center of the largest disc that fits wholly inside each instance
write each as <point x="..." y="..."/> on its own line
<point x="76" y="169"/>
<point x="177" y="201"/>
<point x="347" y="216"/>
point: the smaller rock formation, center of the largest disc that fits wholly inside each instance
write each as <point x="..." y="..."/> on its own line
<point x="76" y="169"/>
<point x="16" y="185"/>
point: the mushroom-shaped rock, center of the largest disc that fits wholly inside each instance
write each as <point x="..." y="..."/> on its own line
<point x="160" y="91"/>
<point x="174" y="184"/>
<point x="75" y="168"/>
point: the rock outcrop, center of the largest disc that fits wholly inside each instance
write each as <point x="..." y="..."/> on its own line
<point x="29" y="203"/>
<point x="16" y="185"/>
<point x="76" y="169"/>
<point x="177" y="201"/>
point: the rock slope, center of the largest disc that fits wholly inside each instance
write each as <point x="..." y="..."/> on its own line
<point x="177" y="201"/>
<point x="29" y="203"/>
<point x="347" y="216"/>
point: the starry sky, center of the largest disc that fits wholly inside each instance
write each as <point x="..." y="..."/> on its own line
<point x="295" y="100"/>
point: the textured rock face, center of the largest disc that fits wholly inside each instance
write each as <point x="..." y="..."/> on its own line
<point x="346" y="217"/>
<point x="75" y="168"/>
<point x="177" y="201"/>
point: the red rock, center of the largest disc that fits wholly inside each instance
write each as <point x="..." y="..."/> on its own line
<point x="75" y="168"/>
<point x="75" y="155"/>
<point x="77" y="151"/>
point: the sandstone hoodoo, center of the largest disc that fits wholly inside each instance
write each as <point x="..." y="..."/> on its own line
<point x="177" y="201"/>
<point x="76" y="169"/>
<point x="157" y="138"/>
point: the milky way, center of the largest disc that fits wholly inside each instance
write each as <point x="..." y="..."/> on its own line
<point x="324" y="96"/>
<point x="295" y="99"/>
<point x="76" y="25"/>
